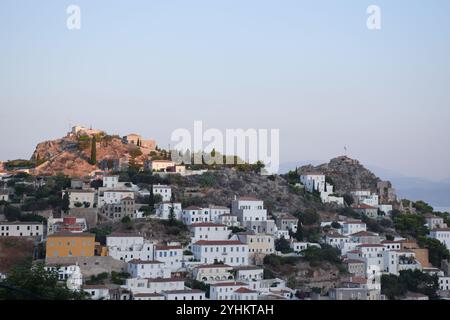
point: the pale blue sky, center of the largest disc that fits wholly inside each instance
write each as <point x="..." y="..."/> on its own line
<point x="310" y="68"/>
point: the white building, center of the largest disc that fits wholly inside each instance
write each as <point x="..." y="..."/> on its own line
<point x="365" y="197"/>
<point x="313" y="181"/>
<point x="163" y="190"/>
<point x="212" y="273"/>
<point x="298" y="247"/>
<point x="441" y="234"/>
<point x="230" y="220"/>
<point x="444" y="283"/>
<point x="97" y="292"/>
<point x="68" y="224"/>
<point x="145" y="285"/>
<point x="114" y="196"/>
<point x="148" y="296"/>
<point x="110" y="182"/>
<point x="159" y="165"/>
<point x="192" y="215"/>
<point x="249" y="273"/>
<point x="400" y="260"/>
<point x="81" y="198"/>
<point x="434" y="222"/>
<point x="4" y="195"/>
<point x="147" y="269"/>
<point x="386" y="209"/>
<point x="216" y="211"/>
<point x="231" y="252"/>
<point x="209" y="231"/>
<point x="392" y="245"/>
<point x="70" y="273"/>
<point x="372" y="255"/>
<point x="127" y="247"/>
<point x="21" y="229"/>
<point x="225" y="290"/>
<point x="186" y="294"/>
<point x="352" y="226"/>
<point x="336" y="239"/>
<point x="163" y="210"/>
<point x="249" y="209"/>
<point x="171" y="255"/>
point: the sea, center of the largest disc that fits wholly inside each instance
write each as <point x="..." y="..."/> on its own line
<point x="442" y="209"/>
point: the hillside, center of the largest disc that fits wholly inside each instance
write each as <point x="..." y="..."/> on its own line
<point x="70" y="155"/>
<point x="346" y="174"/>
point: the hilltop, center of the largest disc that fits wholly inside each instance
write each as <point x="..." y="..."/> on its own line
<point x="71" y="154"/>
<point x="346" y="174"/>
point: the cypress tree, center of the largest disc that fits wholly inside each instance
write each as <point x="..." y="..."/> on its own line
<point x="94" y="151"/>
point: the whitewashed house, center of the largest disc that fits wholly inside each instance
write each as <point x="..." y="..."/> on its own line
<point x="192" y="214"/>
<point x="147" y="269"/>
<point x="225" y="290"/>
<point x="212" y="273"/>
<point x="21" y="229"/>
<point x="209" y="231"/>
<point x="441" y="234"/>
<point x="163" y="190"/>
<point x="352" y="226"/>
<point x="231" y="252"/>
<point x="186" y="294"/>
<point x="248" y="209"/>
<point x="171" y="255"/>
<point x="163" y="210"/>
<point x="127" y="247"/>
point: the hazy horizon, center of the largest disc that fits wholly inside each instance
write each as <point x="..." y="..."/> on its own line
<point x="309" y="68"/>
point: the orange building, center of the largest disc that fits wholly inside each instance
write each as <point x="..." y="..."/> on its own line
<point x="65" y="244"/>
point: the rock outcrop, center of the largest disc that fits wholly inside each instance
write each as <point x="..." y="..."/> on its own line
<point x="346" y="174"/>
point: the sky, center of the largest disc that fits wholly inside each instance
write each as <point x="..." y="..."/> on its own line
<point x="311" y="69"/>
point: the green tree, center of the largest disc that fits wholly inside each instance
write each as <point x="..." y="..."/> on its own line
<point x="437" y="251"/>
<point x="299" y="235"/>
<point x="282" y="245"/>
<point x="33" y="282"/>
<point x="65" y="202"/>
<point x="93" y="159"/>
<point x="309" y="217"/>
<point x="171" y="214"/>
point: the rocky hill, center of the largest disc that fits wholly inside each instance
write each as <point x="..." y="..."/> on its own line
<point x="70" y="155"/>
<point x="346" y="174"/>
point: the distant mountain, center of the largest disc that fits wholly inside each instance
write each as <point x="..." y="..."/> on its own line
<point x="436" y="193"/>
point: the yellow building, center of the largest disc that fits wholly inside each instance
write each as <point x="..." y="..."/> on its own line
<point x="70" y="245"/>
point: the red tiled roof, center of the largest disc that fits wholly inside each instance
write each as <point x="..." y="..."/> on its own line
<point x="138" y="261"/>
<point x="183" y="291"/>
<point x="165" y="247"/>
<point x="218" y="242"/>
<point x="364" y="234"/>
<point x="228" y="284"/>
<point x="368" y="245"/>
<point x="207" y="224"/>
<point x="147" y="295"/>
<point x="206" y="266"/>
<point x="69" y="234"/>
<point x="244" y="290"/>
<point x="193" y="208"/>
